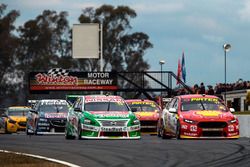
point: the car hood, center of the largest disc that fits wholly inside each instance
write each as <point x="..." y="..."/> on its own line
<point x="56" y="115"/>
<point x="18" y="118"/>
<point x="147" y="115"/>
<point x="110" y="114"/>
<point x="207" y="115"/>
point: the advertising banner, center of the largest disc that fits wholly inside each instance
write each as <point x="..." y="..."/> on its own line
<point x="60" y="79"/>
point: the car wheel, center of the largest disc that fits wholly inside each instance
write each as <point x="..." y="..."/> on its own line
<point x="6" y="129"/>
<point x="67" y="135"/>
<point x="178" y="130"/>
<point x="27" y="132"/>
<point x="163" y="134"/>
<point x="79" y="131"/>
<point x="159" y="125"/>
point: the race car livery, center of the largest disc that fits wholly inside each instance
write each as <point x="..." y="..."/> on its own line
<point x="48" y="117"/>
<point x="14" y="119"/>
<point x="197" y="116"/>
<point x="101" y="117"/>
<point x="147" y="111"/>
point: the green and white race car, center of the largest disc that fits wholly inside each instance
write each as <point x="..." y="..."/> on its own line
<point x="101" y="117"/>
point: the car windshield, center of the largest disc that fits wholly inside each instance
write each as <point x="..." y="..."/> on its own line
<point x="105" y="106"/>
<point x="18" y="112"/>
<point x="202" y="104"/>
<point x="143" y="106"/>
<point x="53" y="108"/>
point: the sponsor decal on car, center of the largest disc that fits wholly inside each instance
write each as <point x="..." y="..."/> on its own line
<point x="55" y="115"/>
<point x="110" y="114"/>
<point x="204" y="99"/>
<point x="207" y="113"/>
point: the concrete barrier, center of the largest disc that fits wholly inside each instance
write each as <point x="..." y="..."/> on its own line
<point x="244" y="121"/>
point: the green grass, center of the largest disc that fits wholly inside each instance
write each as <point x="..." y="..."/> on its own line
<point x="242" y="113"/>
<point x="16" y="160"/>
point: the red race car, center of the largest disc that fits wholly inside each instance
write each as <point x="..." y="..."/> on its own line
<point x="147" y="111"/>
<point x="197" y="116"/>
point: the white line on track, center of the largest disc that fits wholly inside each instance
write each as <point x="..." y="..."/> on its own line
<point x="41" y="157"/>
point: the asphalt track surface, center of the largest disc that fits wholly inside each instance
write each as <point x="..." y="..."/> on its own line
<point x="149" y="151"/>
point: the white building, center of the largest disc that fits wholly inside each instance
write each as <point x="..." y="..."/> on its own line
<point x="237" y="99"/>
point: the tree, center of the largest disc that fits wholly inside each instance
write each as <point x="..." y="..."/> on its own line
<point x="121" y="50"/>
<point x="8" y="45"/>
<point x="44" y="44"/>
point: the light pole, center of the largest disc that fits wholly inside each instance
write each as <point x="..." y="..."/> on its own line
<point x="226" y="48"/>
<point x="161" y="62"/>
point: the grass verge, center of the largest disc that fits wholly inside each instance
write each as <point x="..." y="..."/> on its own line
<point x="242" y="113"/>
<point x="18" y="160"/>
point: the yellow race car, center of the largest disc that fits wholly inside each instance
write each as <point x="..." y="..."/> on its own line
<point x="15" y="118"/>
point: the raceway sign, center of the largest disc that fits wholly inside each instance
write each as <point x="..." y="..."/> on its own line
<point x="60" y="79"/>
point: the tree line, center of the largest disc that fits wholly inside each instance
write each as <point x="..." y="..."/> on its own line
<point x="45" y="42"/>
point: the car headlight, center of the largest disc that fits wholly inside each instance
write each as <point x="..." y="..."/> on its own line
<point x="232" y="121"/>
<point x="136" y="122"/>
<point x="87" y="121"/>
<point x="189" y="121"/>
<point x="12" y="121"/>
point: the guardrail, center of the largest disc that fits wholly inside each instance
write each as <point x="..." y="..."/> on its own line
<point x="244" y="121"/>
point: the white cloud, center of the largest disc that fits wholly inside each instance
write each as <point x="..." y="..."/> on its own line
<point x="158" y="7"/>
<point x="85" y="5"/>
<point x="244" y="13"/>
<point x="207" y="24"/>
<point x="213" y="38"/>
<point x="40" y="4"/>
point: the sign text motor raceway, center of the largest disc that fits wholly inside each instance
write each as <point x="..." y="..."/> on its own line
<point x="42" y="81"/>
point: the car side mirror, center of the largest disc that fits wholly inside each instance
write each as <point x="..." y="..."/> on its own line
<point x="232" y="109"/>
<point x="77" y="110"/>
<point x="172" y="110"/>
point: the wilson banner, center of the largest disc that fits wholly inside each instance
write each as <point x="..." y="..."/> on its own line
<point x="60" y="79"/>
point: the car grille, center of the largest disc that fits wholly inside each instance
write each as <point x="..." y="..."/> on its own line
<point x="22" y="124"/>
<point x="113" y="134"/>
<point x="58" y="122"/>
<point x="148" y="123"/>
<point x="213" y="134"/>
<point x="113" y="123"/>
<point x="212" y="124"/>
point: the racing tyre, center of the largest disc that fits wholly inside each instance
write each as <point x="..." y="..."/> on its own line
<point x="28" y="133"/>
<point x="6" y="129"/>
<point x="178" y="130"/>
<point x="79" y="131"/>
<point x="159" y="129"/>
<point x="68" y="137"/>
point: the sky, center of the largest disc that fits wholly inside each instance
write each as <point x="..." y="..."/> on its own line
<point x="197" y="28"/>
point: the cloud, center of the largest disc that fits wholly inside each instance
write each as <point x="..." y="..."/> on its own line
<point x="41" y="4"/>
<point x="85" y="5"/>
<point x="158" y="7"/>
<point x="244" y="13"/>
<point x="213" y="38"/>
<point x="203" y="23"/>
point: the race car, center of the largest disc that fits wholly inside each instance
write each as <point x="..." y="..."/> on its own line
<point x="47" y="117"/>
<point x="197" y="116"/>
<point x="101" y="117"/>
<point x="14" y="119"/>
<point x="147" y="111"/>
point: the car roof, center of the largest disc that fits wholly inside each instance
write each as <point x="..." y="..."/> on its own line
<point x="19" y="107"/>
<point x="51" y="101"/>
<point x="138" y="100"/>
<point x="197" y="96"/>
